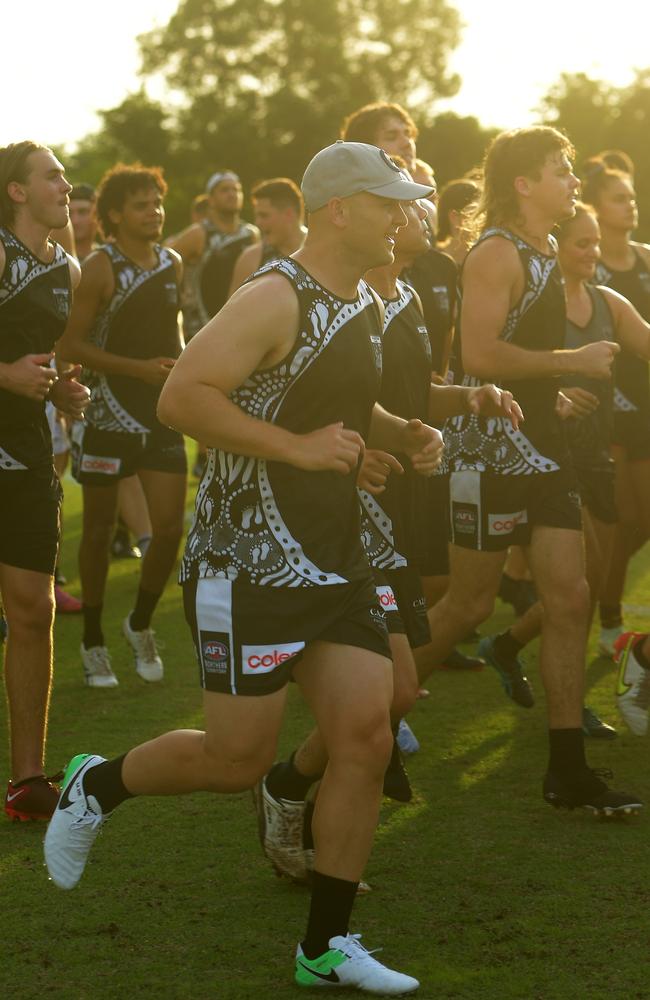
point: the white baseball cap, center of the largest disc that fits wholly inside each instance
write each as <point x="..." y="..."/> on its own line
<point x="347" y="168"/>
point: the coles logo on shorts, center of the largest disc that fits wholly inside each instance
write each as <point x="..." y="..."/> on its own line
<point x="264" y="659"/>
<point x="102" y="464"/>
<point x="505" y="524"/>
<point x="386" y="598"/>
<point x="215" y="652"/>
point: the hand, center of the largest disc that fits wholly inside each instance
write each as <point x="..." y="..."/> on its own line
<point x="70" y="396"/>
<point x="375" y="469"/>
<point x="154" y="371"/>
<point x="596" y="360"/>
<point x="29" y="376"/>
<point x="582" y="403"/>
<point x="331" y="448"/>
<point x="490" y="401"/>
<point x="437" y="379"/>
<point x="423" y="445"/>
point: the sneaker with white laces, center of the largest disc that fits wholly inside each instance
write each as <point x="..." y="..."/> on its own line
<point x="280" y="826"/>
<point x="348" y="964"/>
<point x="148" y="664"/>
<point x="97" y="667"/>
<point x="607" y="641"/>
<point x="633" y="685"/>
<point x="406" y="738"/>
<point x="75" y="823"/>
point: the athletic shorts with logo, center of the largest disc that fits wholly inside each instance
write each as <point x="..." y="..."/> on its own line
<point x="248" y="639"/>
<point x="632" y="432"/>
<point x="488" y="512"/>
<point x="30" y="520"/>
<point x="101" y="458"/>
<point x="400" y="596"/>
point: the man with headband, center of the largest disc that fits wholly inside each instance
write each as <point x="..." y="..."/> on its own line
<point x="214" y="244"/>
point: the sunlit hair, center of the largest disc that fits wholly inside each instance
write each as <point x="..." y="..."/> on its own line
<point x="597" y="177"/>
<point x="121" y="181"/>
<point x="519" y="153"/>
<point x="282" y="192"/>
<point x="364" y="125"/>
<point x="563" y="229"/>
<point x="201" y="205"/>
<point x="454" y="197"/>
<point x="14" y="168"/>
<point x="617" y="159"/>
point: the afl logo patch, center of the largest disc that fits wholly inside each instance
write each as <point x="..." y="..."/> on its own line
<point x="215" y="652"/>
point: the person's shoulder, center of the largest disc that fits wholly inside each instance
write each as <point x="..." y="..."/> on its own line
<point x="495" y="250"/>
<point x="75" y="269"/>
<point x="643" y="250"/>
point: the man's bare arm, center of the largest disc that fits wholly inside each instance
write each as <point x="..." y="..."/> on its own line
<point x="631" y="329"/>
<point x="189" y="243"/>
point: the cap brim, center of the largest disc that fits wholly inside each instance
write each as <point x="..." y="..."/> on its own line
<point x="402" y="190"/>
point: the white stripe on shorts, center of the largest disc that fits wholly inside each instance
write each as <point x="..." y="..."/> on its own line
<point x="214" y="614"/>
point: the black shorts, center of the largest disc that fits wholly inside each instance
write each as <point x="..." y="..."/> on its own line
<point x="432" y="557"/>
<point x="632" y="432"/>
<point x="30" y="520"/>
<point x="596" y="487"/>
<point x="489" y="513"/>
<point x="400" y="595"/>
<point x="102" y="458"/>
<point x="248" y="639"/>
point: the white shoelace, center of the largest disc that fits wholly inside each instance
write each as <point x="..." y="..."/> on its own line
<point x="100" y="661"/>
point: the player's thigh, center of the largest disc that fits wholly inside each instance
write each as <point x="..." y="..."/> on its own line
<point x="557" y="562"/>
<point x="27" y="597"/>
<point x="474" y="574"/>
<point x="243" y="727"/>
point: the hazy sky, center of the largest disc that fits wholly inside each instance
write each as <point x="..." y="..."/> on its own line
<point x="83" y="56"/>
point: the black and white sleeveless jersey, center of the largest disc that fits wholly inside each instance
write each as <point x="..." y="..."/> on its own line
<point x="35" y="300"/>
<point x="271" y="524"/>
<point x="140" y="321"/>
<point x="390" y="521"/>
<point x="590" y="436"/>
<point x="537" y="323"/>
<point x="213" y="272"/>
<point x="631" y="376"/>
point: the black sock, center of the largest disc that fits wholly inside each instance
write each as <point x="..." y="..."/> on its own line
<point x="639" y="656"/>
<point x="332" y="900"/>
<point x="611" y="615"/>
<point x="285" y="782"/>
<point x="145" y="605"/>
<point x="104" y="781"/>
<point x="93" y="635"/>
<point x="566" y="752"/>
<point x="506" y="646"/>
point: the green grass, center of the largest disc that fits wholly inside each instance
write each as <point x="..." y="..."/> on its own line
<point x="479" y="889"/>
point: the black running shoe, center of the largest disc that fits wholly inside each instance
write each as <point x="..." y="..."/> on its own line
<point x="396" y="781"/>
<point x="513" y="681"/>
<point x="594" y="726"/>
<point x="589" y="791"/>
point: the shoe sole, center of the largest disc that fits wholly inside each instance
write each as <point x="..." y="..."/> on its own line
<point x="20" y="817"/>
<point x="607" y="812"/>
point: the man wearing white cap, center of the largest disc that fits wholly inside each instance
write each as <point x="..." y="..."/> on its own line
<point x="215" y="243"/>
<point x="282" y="386"/>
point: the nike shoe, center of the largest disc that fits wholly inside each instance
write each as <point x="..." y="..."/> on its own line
<point x="513" y="681"/>
<point x="75" y="823"/>
<point x="148" y="664"/>
<point x="593" y="726"/>
<point x="280" y="825"/>
<point x="607" y="641"/>
<point x="589" y="791"/>
<point x="349" y="964"/>
<point x="396" y="781"/>
<point x="97" y="667"/>
<point x="35" y="798"/>
<point x="633" y="685"/>
<point x="406" y="738"/>
<point x="65" y="603"/>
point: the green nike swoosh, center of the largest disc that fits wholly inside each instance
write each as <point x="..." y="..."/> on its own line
<point x="331" y="977"/>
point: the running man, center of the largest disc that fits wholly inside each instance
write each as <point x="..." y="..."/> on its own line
<point x="517" y="486"/>
<point x="282" y="385"/>
<point x="37" y="278"/>
<point x="124" y="329"/>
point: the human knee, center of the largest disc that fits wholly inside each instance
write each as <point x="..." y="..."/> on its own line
<point x="30" y="613"/>
<point x="569" y="599"/>
<point x="167" y="533"/>
<point x="237" y="769"/>
<point x="98" y="531"/>
<point x="367" y="744"/>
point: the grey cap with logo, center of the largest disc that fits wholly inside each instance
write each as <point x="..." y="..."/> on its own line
<point x="347" y="168"/>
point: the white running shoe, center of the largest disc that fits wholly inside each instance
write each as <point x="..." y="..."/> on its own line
<point x="349" y="964"/>
<point x="633" y="685"/>
<point x="280" y="825"/>
<point x="148" y="664"/>
<point x="607" y="641"/>
<point x="407" y="741"/>
<point x="97" y="667"/>
<point x="74" y="825"/>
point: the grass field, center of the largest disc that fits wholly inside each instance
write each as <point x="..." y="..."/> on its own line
<point x="479" y="888"/>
